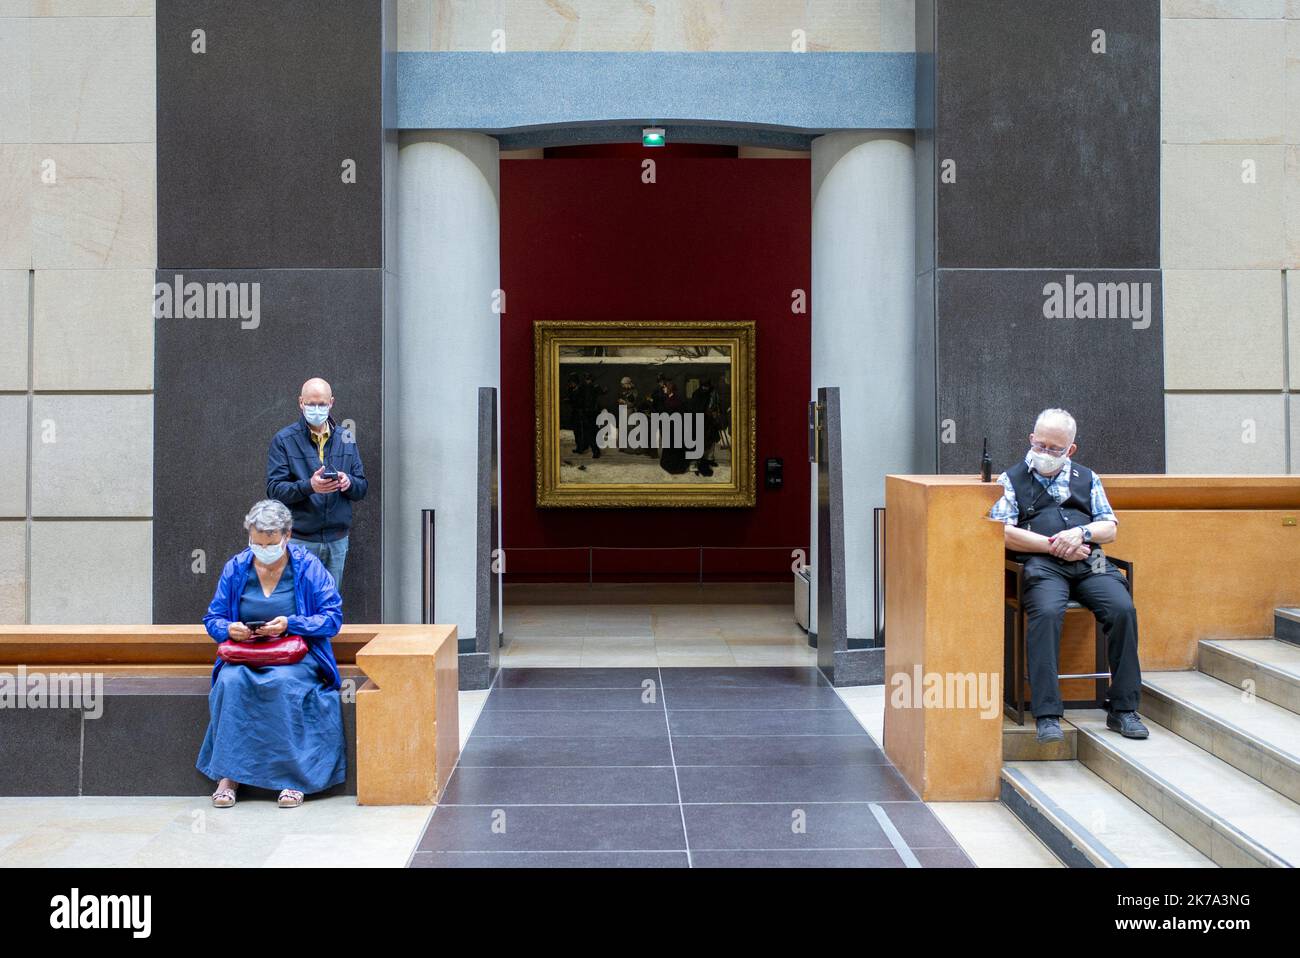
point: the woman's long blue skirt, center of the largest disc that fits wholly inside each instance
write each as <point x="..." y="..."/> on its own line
<point x="274" y="727"/>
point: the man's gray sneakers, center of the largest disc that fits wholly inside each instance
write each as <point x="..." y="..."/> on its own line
<point x="1049" y="729"/>
<point x="1127" y="724"/>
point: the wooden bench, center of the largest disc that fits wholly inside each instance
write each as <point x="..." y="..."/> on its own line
<point x="402" y="678"/>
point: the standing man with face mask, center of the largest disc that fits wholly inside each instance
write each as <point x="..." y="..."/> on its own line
<point x="1056" y="514"/>
<point x="315" y="469"/>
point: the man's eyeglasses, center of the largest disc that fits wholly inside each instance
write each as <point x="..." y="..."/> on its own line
<point x="1050" y="450"/>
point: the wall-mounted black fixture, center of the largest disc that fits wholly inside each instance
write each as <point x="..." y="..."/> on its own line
<point x="774" y="473"/>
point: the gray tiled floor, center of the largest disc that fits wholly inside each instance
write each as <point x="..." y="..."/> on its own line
<point x="685" y="767"/>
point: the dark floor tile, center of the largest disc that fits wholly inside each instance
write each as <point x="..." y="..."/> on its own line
<point x="573" y="699"/>
<point x="561" y="786"/>
<point x="774" y="697"/>
<point x="539" y="752"/>
<point x="811" y="858"/>
<point x="917" y="824"/>
<point x="942" y="858"/>
<point x="768" y="826"/>
<point x="792" y="783"/>
<point x="834" y="750"/>
<point x="748" y="677"/>
<point x="612" y="723"/>
<point x="763" y="722"/>
<point x="555" y="828"/>
<point x="549" y="860"/>
<point x="576" y="678"/>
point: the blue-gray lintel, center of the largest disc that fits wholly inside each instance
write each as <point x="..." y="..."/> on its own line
<point x="758" y="99"/>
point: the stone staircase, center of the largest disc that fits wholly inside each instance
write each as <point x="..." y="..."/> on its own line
<point x="1217" y="783"/>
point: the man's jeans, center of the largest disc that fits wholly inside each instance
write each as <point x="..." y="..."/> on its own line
<point x="332" y="554"/>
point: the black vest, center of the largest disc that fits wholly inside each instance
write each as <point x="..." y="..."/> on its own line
<point x="1042" y="514"/>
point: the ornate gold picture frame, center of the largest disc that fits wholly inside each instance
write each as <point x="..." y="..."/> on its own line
<point x="644" y="414"/>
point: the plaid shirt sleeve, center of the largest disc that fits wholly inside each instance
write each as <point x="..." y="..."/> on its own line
<point x="1005" y="509"/>
<point x="1101" y="510"/>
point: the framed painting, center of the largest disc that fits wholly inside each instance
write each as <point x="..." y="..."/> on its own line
<point x="644" y="414"/>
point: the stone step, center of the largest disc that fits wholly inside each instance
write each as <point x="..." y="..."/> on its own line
<point x="1221" y="811"/>
<point x="1020" y="743"/>
<point x="1089" y="824"/>
<point x="1286" y="624"/>
<point x="1250" y="734"/>
<point x="1272" y="665"/>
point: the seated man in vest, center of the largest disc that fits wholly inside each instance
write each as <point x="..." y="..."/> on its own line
<point x="1056" y="518"/>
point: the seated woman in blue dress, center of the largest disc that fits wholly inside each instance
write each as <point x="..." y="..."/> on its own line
<point x="279" y="726"/>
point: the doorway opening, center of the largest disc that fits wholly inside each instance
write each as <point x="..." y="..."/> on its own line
<point x="704" y="233"/>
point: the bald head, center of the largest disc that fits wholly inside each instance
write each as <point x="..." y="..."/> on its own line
<point x="316" y="390"/>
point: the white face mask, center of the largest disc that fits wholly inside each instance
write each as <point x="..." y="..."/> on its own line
<point x="1044" y="464"/>
<point x="267" y="554"/>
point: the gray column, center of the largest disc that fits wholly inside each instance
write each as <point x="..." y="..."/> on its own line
<point x="863" y="326"/>
<point x="441" y="344"/>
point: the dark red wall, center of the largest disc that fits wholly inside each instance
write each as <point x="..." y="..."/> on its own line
<point x="712" y="239"/>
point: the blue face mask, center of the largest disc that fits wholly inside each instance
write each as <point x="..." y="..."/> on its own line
<point x="316" y="415"/>
<point x="267" y="554"/>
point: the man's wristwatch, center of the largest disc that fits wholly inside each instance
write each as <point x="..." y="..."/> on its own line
<point x="1087" y="533"/>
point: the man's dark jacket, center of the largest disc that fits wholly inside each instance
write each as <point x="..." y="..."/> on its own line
<point x="290" y="463"/>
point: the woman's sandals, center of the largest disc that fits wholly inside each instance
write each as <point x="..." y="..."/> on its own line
<point x="290" y="798"/>
<point x="223" y="797"/>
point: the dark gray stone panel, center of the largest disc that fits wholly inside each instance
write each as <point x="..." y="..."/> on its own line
<point x="146" y="745"/>
<point x="252" y="134"/>
<point x="1057" y="148"/>
<point x="1001" y="361"/>
<point x="40" y="751"/>
<point x="222" y="392"/>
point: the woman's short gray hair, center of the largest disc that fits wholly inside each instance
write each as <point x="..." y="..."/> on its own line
<point x="269" y="515"/>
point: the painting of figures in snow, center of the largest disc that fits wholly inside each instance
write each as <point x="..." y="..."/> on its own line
<point x="655" y="414"/>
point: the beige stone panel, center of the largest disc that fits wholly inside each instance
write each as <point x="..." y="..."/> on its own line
<point x="847" y="25"/>
<point x="468" y="25"/>
<point x="15" y="8"/>
<point x="549" y="25"/>
<point x="93" y="80"/>
<point x="690" y="25"/>
<point x="93" y="329"/>
<point x="99" y="211"/>
<point x="92" y="8"/>
<point x="618" y="25"/>
<point x="1210" y="217"/>
<point x="121" y="588"/>
<point x="1222" y="81"/>
<point x="1224" y="433"/>
<point x="1223" y="329"/>
<point x="15" y="81"/>
<point x="1293" y="334"/>
<point x="13" y="456"/>
<point x="1295" y="433"/>
<point x="13" y="329"/>
<point x="1234" y="9"/>
<point x="92" y="456"/>
<point x="15" y="206"/>
<point x="415" y="25"/>
<point x="1291" y="207"/>
<point x="898" y="26"/>
<point x="1291" y="106"/>
<point x="13" y="572"/>
<point x="1293" y="9"/>
<point x="761" y="25"/>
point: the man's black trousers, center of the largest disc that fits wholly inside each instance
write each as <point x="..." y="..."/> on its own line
<point x="1048" y="586"/>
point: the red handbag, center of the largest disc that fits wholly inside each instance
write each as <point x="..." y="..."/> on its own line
<point x="285" y="650"/>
